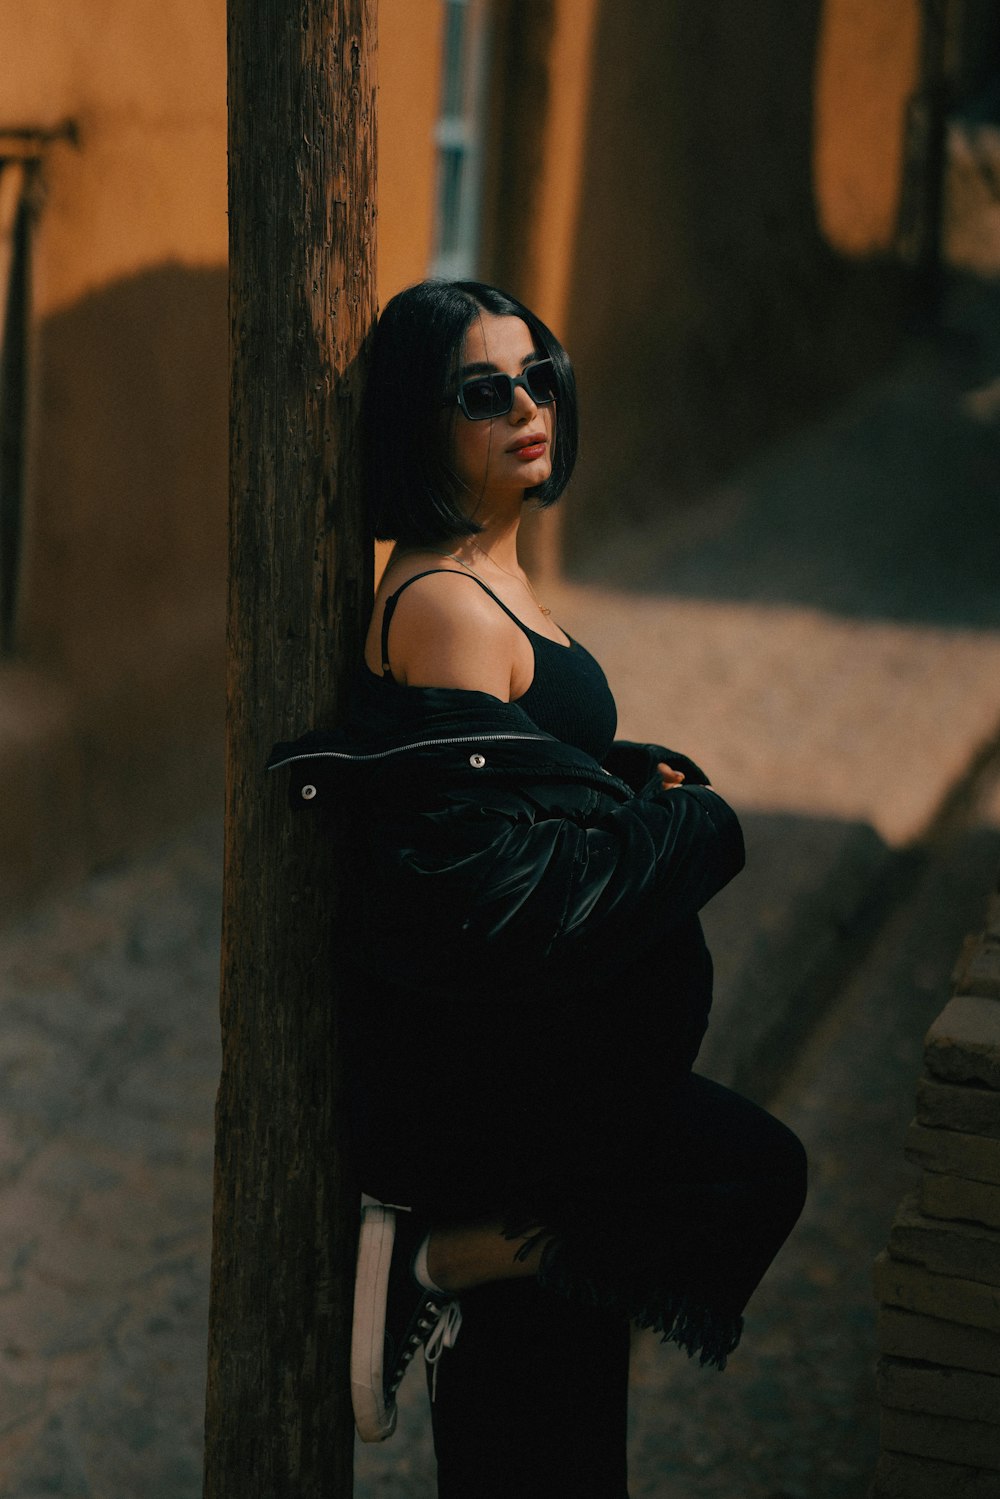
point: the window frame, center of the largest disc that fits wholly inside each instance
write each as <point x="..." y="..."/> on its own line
<point x="460" y="136"/>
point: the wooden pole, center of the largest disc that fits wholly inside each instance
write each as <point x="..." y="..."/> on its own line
<point x="302" y="301"/>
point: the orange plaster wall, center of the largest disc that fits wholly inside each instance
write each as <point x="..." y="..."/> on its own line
<point x="121" y="601"/>
<point x="699" y="246"/>
<point x="409" y="92"/>
<point x="410" y="34"/>
<point x="126" y="500"/>
<point x="147" y="88"/>
<point x="565" y="133"/>
<point x="557" y="220"/>
<point x="866" y="68"/>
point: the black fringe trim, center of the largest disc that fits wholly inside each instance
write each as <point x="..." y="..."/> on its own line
<point x="677" y="1316"/>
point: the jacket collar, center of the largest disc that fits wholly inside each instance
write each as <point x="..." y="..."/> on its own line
<point x="387" y="719"/>
<point x="439" y="728"/>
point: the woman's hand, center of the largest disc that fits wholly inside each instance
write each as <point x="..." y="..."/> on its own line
<point x="670" y="779"/>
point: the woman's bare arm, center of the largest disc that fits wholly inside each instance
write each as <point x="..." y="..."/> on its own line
<point x="446" y="632"/>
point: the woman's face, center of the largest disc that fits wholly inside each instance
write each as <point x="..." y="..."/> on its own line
<point x="503" y="455"/>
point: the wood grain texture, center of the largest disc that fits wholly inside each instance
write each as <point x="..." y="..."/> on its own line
<point x="302" y="211"/>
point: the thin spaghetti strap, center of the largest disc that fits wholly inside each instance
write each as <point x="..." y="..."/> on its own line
<point x="393" y="599"/>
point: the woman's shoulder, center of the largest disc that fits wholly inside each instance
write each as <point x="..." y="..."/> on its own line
<point x="422" y="590"/>
<point x="445" y="628"/>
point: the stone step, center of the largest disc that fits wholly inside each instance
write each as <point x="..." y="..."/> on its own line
<point x="963" y="1044"/>
<point x="913" y="1335"/>
<point x="950" y="1197"/>
<point x="974" y="1444"/>
<point x="972" y="1157"/>
<point x="967" y="1250"/>
<point x="950" y="1298"/>
<point x="970" y="1108"/>
<point x="938" y="1391"/>
<point x="899" y="1476"/>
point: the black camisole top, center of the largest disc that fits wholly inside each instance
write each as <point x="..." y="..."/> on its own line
<point x="569" y="696"/>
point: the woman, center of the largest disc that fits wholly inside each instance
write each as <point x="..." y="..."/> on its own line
<point x="531" y="983"/>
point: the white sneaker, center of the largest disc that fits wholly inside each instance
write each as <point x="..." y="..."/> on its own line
<point x="393" y="1316"/>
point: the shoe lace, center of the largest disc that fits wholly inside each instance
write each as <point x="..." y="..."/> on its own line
<point x="443" y="1336"/>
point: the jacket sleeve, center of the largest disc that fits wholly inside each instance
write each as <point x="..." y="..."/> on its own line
<point x="636" y="763"/>
<point x="501" y="886"/>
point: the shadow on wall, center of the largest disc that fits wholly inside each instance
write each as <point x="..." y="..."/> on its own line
<point x="129" y="499"/>
<point x="123" y="592"/>
<point x="885" y="510"/>
<point x="708" y="313"/>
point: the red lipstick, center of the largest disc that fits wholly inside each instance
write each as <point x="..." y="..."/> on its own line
<point x="529" y="448"/>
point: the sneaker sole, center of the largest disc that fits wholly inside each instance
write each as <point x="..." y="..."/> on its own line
<point x="373" y="1419"/>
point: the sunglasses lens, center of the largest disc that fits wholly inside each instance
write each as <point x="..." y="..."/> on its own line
<point x="488" y="396"/>
<point x="541" y="381"/>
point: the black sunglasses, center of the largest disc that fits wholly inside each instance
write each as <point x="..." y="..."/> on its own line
<point x="493" y="395"/>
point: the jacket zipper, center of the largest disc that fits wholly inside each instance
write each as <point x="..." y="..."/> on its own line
<point x="402" y="748"/>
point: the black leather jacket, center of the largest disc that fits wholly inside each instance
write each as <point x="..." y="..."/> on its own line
<point x="490" y="860"/>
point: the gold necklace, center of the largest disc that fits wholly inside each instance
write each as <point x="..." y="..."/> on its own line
<point x="453" y="557"/>
<point x="525" y="581"/>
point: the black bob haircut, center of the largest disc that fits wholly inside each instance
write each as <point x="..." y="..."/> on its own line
<point x="412" y="492"/>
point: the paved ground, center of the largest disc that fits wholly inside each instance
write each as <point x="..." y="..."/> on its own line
<point x="108" y="1069"/>
<point x="838" y="693"/>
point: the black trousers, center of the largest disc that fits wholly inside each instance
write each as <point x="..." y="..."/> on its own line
<point x="531" y="1402"/>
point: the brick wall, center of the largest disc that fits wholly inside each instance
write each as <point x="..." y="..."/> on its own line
<point x="938" y="1280"/>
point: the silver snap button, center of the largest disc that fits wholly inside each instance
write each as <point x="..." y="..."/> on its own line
<point x="308" y="792"/>
<point x="477" y="761"/>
